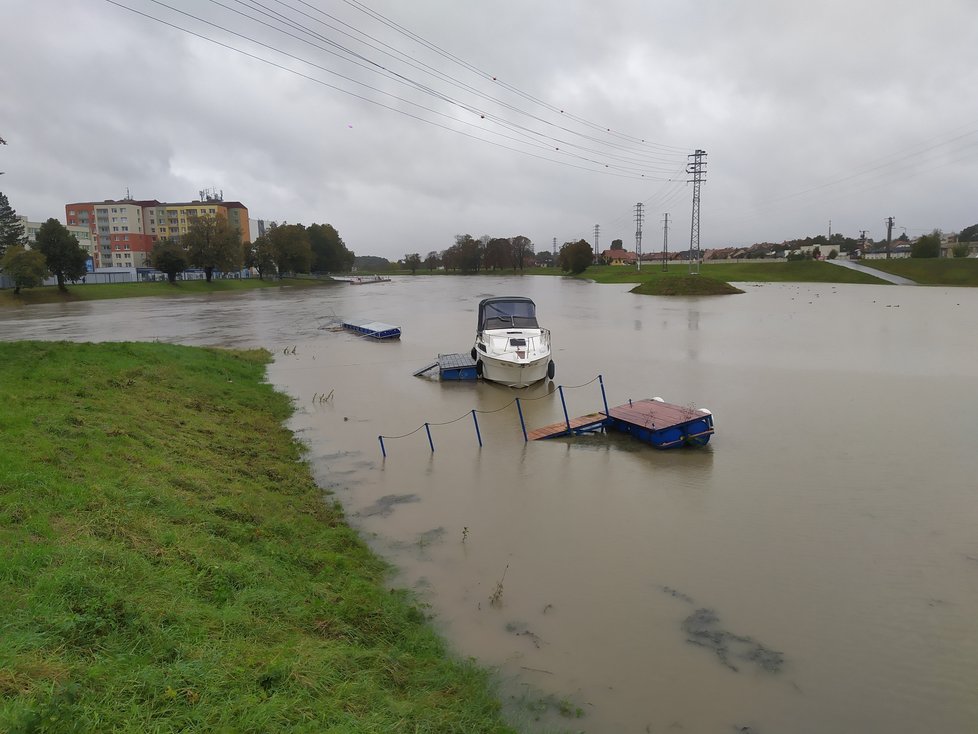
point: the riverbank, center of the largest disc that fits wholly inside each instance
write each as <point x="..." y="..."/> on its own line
<point x="170" y="564"/>
<point x="102" y="291"/>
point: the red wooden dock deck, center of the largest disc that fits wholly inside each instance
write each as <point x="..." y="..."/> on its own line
<point x="655" y="414"/>
<point x="652" y="414"/>
<point x="588" y="422"/>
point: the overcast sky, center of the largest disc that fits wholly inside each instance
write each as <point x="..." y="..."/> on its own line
<point x="502" y="118"/>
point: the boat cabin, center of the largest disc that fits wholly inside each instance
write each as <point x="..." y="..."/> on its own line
<point x="509" y="312"/>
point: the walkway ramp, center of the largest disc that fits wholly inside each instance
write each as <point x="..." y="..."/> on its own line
<point x="888" y="277"/>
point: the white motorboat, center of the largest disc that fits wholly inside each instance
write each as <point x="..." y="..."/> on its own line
<point x="510" y="346"/>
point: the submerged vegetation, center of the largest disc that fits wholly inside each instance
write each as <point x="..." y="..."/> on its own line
<point x="170" y="565"/>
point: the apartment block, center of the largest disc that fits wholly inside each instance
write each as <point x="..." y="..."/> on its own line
<point x="82" y="234"/>
<point x="124" y="231"/>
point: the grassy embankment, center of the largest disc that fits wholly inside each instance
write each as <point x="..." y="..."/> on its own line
<point x="169" y="564"/>
<point x="716" y="279"/>
<point x="100" y="291"/>
<point x="961" y="271"/>
<point x="712" y="280"/>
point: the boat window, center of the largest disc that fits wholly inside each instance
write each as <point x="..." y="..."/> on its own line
<point x="514" y="314"/>
<point x="517" y="342"/>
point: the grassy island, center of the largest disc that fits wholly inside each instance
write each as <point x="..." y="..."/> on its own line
<point x="685" y="285"/>
<point x="170" y="565"/>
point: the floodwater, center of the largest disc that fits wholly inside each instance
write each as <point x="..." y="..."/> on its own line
<point x="814" y="569"/>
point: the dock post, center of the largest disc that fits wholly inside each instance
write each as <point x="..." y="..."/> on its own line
<point x="604" y="398"/>
<point x="522" y="422"/>
<point x="430" y="443"/>
<point x="560" y="389"/>
<point x="478" y="435"/>
<point x="383" y="451"/>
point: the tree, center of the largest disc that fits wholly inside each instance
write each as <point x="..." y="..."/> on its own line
<point x="432" y="261"/>
<point x="545" y="258"/>
<point x="371" y="262"/>
<point x="260" y="256"/>
<point x="212" y="244"/>
<point x="412" y="262"/>
<point x="498" y="253"/>
<point x="968" y="234"/>
<point x="64" y="256"/>
<point x="11" y="228"/>
<point x="928" y="245"/>
<point x="329" y="253"/>
<point x="522" y="249"/>
<point x="575" y="256"/>
<point x="27" y="268"/>
<point x="617" y="245"/>
<point x="169" y="257"/>
<point x="290" y="248"/>
<point x="961" y="250"/>
<point x="465" y="255"/>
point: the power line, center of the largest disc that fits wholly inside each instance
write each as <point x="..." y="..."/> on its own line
<point x="612" y="170"/>
<point x="486" y="75"/>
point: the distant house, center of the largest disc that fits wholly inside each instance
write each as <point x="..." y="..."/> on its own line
<point x="619" y="257"/>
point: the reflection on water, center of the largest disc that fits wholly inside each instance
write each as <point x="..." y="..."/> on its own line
<point x="814" y="569"/>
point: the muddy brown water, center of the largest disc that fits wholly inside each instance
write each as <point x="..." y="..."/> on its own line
<point x="814" y="569"/>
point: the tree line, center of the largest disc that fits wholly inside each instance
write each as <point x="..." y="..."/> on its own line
<point x="471" y="255"/>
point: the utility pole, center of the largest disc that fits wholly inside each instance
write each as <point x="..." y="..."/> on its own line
<point x="597" y="232"/>
<point x="665" y="243"/>
<point x="638" y="234"/>
<point x="697" y="167"/>
<point x="862" y="241"/>
<point x="889" y="235"/>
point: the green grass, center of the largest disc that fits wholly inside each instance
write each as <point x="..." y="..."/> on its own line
<point x="100" y="291"/>
<point x="801" y="271"/>
<point x="961" y="271"/>
<point x="169" y="564"/>
<point x="685" y="285"/>
<point x="808" y="271"/>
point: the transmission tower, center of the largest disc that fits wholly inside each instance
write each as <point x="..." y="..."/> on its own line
<point x="638" y="234"/>
<point x="665" y="242"/>
<point x="696" y="167"/>
<point x="555" y="249"/>
<point x="597" y="232"/>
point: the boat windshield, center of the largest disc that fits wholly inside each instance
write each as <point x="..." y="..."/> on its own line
<point x="507" y="313"/>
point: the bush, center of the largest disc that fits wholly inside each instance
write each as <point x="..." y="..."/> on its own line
<point x="929" y="245"/>
<point x="961" y="250"/>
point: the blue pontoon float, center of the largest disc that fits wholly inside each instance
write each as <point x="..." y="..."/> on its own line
<point x="373" y="329"/>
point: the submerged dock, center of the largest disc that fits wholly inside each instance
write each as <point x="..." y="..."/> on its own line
<point x="373" y="329"/>
<point x="654" y="421"/>
<point x="452" y="367"/>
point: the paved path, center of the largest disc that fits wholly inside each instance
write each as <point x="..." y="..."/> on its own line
<point x="888" y="277"/>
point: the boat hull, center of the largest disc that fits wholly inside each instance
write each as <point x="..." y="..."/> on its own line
<point x="514" y="374"/>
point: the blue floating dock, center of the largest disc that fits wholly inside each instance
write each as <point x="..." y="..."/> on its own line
<point x="452" y="367"/>
<point x="373" y="329"/>
<point x="655" y="422"/>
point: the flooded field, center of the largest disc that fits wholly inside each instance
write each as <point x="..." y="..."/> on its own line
<point x="814" y="569"/>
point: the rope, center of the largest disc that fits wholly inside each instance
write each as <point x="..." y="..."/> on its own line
<point x="489" y="412"/>
<point x="406" y="434"/>
<point x="574" y="387"/>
